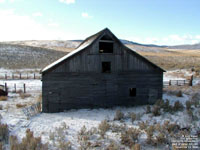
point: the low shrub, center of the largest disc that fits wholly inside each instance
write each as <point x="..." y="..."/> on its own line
<point x="83" y="138"/>
<point x="167" y="107"/>
<point x="148" y="109"/>
<point x="170" y="128"/>
<point x="156" y="110"/>
<point x="136" y="147"/>
<point x="113" y="146"/>
<point x="3" y="98"/>
<point x="160" y="139"/>
<point x="4" y="133"/>
<point x="119" y="115"/>
<point x="63" y="145"/>
<point x="188" y="105"/>
<point x="20" y="105"/>
<point x="117" y="128"/>
<point x="130" y="136"/>
<point x="143" y="125"/>
<point x="179" y="94"/>
<point x="160" y="103"/>
<point x="195" y="99"/>
<point x="178" y="106"/>
<point x="103" y="127"/>
<point x="150" y="132"/>
<point x="29" y="142"/>
<point x="1" y="146"/>
<point x="190" y="113"/>
<point x="133" y="117"/>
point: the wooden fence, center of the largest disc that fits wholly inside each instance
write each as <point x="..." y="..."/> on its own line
<point x="177" y="83"/>
<point x="20" y="76"/>
<point x="18" y="88"/>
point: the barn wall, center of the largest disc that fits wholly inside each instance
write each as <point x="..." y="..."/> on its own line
<point x="62" y="91"/>
<point x="79" y="82"/>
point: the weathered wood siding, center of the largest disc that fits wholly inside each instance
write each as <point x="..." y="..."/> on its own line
<point x="62" y="91"/>
<point x="89" y="60"/>
<point x="79" y="83"/>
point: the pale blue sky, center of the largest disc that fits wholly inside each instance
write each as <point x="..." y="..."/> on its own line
<point x="166" y="22"/>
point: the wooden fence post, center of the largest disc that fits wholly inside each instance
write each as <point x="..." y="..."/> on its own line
<point x="191" y="79"/>
<point x="34" y="75"/>
<point x="6" y="76"/>
<point x="12" y="76"/>
<point x="27" y="75"/>
<point x="169" y="82"/>
<point x="6" y="89"/>
<point x="15" y="88"/>
<point x="24" y="88"/>
<point x="20" y="75"/>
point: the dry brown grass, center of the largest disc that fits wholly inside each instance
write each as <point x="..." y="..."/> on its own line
<point x="4" y="132"/>
<point x="119" y="115"/>
<point x="20" y="105"/>
<point x="24" y="95"/>
<point x="103" y="127"/>
<point x="3" y="98"/>
<point x="29" y="142"/>
<point x="130" y="136"/>
<point x="174" y="59"/>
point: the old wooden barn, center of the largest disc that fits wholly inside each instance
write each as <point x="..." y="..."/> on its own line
<point x="101" y="72"/>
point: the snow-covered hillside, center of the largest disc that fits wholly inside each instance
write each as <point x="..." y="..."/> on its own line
<point x="17" y="56"/>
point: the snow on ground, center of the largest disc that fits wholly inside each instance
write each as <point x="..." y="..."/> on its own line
<point x="44" y="123"/>
<point x="181" y="74"/>
<point x="31" y="85"/>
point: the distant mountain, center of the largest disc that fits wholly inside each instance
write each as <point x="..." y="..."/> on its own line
<point x="183" y="47"/>
<point x="186" y="47"/>
<point x="126" y="42"/>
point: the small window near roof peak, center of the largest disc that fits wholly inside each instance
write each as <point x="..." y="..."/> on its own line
<point x="106" y="44"/>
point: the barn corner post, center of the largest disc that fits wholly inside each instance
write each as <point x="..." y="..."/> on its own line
<point x="100" y="72"/>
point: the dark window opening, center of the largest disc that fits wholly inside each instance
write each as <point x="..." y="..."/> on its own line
<point x="106" y="37"/>
<point x="105" y="47"/>
<point x="132" y="92"/>
<point x="106" y="67"/>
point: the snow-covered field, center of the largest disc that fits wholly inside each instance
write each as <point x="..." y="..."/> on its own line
<point x="45" y="125"/>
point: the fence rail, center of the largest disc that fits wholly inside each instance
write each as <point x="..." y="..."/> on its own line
<point x="19" y="76"/>
<point x="22" y="87"/>
<point x="177" y="83"/>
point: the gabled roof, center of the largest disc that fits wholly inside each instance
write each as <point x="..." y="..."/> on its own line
<point x="89" y="41"/>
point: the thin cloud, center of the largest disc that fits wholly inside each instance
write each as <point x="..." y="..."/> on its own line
<point x="23" y="27"/>
<point x="53" y="24"/>
<point x="67" y="1"/>
<point x="86" y="15"/>
<point x="11" y="1"/>
<point x="2" y="1"/>
<point x="37" y="14"/>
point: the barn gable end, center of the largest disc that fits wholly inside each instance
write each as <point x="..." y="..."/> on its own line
<point x="101" y="72"/>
